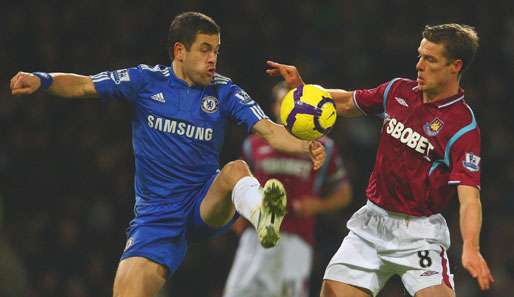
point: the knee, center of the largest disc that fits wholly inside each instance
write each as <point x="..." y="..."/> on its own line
<point x="235" y="170"/>
<point x="237" y="166"/>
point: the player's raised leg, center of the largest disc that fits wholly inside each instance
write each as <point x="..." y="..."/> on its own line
<point x="138" y="277"/>
<point x="236" y="189"/>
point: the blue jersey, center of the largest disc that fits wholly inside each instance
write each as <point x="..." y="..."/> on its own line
<point x="177" y="130"/>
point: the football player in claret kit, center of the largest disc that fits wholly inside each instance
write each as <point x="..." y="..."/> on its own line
<point x="180" y="116"/>
<point x="429" y="154"/>
<point x="285" y="270"/>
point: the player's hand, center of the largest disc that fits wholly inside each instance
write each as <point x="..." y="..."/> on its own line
<point x="288" y="72"/>
<point x="317" y="153"/>
<point x="307" y="206"/>
<point x="475" y="264"/>
<point x="24" y="83"/>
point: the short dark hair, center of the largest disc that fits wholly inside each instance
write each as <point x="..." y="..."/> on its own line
<point x="186" y="25"/>
<point x="460" y="41"/>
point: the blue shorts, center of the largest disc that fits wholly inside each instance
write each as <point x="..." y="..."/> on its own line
<point x="161" y="232"/>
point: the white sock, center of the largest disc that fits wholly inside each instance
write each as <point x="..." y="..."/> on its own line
<point x="247" y="196"/>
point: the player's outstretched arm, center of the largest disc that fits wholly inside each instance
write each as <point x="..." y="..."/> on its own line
<point x="343" y="99"/>
<point x="58" y="84"/>
<point x="281" y="140"/>
<point x="344" y="103"/>
<point x="470" y="223"/>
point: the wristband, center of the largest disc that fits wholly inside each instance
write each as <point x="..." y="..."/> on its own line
<point x="46" y="79"/>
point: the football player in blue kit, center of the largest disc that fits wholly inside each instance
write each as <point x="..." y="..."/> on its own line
<point x="181" y="113"/>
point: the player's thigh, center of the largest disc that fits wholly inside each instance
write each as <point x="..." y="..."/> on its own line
<point x="429" y="269"/>
<point x="138" y="277"/>
<point x="331" y="288"/>
<point x="357" y="263"/>
<point x="441" y="290"/>
<point x="217" y="207"/>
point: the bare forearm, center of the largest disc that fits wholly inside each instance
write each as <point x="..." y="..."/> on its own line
<point x="283" y="141"/>
<point x="72" y="86"/>
<point x="344" y="103"/>
<point x="470" y="217"/>
<point x="470" y="224"/>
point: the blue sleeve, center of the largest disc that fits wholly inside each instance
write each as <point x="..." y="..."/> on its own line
<point x="243" y="108"/>
<point x="119" y="84"/>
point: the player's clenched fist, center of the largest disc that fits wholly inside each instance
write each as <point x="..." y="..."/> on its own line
<point x="24" y="83"/>
<point x="317" y="152"/>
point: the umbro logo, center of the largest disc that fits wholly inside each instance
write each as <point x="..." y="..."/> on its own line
<point x="429" y="273"/>
<point x="401" y="101"/>
<point x="158" y="97"/>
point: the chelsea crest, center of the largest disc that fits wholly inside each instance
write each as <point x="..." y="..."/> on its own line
<point x="209" y="104"/>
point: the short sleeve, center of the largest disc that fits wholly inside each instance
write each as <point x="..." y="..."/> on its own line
<point x="243" y="108"/>
<point x="465" y="160"/>
<point x="371" y="101"/>
<point x="119" y="84"/>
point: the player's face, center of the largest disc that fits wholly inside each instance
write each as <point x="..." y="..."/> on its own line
<point x="199" y="62"/>
<point x="435" y="71"/>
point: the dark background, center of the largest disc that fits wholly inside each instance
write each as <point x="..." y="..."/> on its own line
<point x="66" y="169"/>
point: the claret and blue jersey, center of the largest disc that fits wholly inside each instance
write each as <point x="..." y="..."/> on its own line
<point x="425" y="148"/>
<point x="177" y="130"/>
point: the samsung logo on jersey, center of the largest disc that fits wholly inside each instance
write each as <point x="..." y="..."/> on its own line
<point x="180" y="128"/>
<point x="409" y="137"/>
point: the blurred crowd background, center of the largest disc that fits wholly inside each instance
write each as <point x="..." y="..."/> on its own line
<point x="66" y="169"/>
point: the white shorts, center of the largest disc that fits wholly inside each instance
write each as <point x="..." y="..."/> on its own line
<point x="381" y="244"/>
<point x="282" y="271"/>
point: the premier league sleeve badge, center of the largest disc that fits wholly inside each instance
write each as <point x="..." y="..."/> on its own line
<point x="471" y="162"/>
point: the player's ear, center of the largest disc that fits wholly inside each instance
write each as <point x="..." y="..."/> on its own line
<point x="178" y="51"/>
<point x="456" y="66"/>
